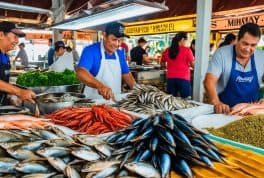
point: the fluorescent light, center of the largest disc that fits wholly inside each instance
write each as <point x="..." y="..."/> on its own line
<point x="121" y="11"/>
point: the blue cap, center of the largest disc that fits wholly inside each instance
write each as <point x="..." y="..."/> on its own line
<point x="116" y="28"/>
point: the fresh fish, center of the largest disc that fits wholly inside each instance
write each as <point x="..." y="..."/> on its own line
<point x="168" y="120"/>
<point x="46" y="134"/>
<point x="106" y="172"/>
<point x="104" y="149"/>
<point x="131" y="135"/>
<point x="6" y="136"/>
<point x="60" y="142"/>
<point x="32" y="146"/>
<point x="182" y="167"/>
<point x="85" y="154"/>
<point x="167" y="137"/>
<point x="7" y="145"/>
<point x="154" y="144"/>
<point x="122" y="150"/>
<point x="21" y="154"/>
<point x="207" y="161"/>
<point x="57" y="163"/>
<point x="33" y="167"/>
<point x="39" y="175"/>
<point x="7" y="165"/>
<point x="99" y="165"/>
<point x="182" y="136"/>
<point x="143" y="169"/>
<point x="53" y="151"/>
<point x="88" y="140"/>
<point x="123" y="173"/>
<point x="145" y="155"/>
<point x="164" y="164"/>
<point x="138" y="122"/>
<point x="156" y="120"/>
<point x="127" y="156"/>
<point x="214" y="155"/>
<point x="63" y="129"/>
<point x="71" y="172"/>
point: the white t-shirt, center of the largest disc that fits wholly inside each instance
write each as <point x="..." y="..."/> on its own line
<point x="63" y="62"/>
<point x="221" y="64"/>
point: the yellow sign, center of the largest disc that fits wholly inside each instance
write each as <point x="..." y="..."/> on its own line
<point x="236" y="22"/>
<point x="160" y="27"/>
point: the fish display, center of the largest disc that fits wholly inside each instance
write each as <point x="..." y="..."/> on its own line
<point x="244" y="109"/>
<point x="53" y="152"/>
<point x="163" y="142"/>
<point x="21" y="122"/>
<point x="95" y="120"/>
<point x="147" y="99"/>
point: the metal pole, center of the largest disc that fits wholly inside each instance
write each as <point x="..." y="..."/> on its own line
<point x="203" y="19"/>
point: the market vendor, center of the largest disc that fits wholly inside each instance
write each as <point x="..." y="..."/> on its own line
<point x="8" y="40"/>
<point x="138" y="54"/>
<point x="102" y="65"/>
<point x="235" y="72"/>
<point x="63" y="60"/>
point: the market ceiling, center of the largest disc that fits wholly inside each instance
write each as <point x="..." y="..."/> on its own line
<point x="176" y="8"/>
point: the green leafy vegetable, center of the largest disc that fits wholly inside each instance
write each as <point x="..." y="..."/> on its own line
<point x="36" y="79"/>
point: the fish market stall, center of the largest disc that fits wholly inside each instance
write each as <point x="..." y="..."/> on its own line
<point x="149" y="75"/>
<point x="168" y="145"/>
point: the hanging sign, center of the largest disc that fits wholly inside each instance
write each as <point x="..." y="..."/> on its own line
<point x="236" y="22"/>
<point x="160" y="27"/>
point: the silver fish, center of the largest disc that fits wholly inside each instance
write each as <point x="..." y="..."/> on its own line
<point x="57" y="163"/>
<point x="106" y="172"/>
<point x="39" y="175"/>
<point x="99" y="165"/>
<point x="143" y="169"/>
<point x="105" y="149"/>
<point x="88" y="140"/>
<point x="85" y="154"/>
<point x="32" y="167"/>
<point x="21" y="154"/>
<point x="53" y="151"/>
<point x="59" y="142"/>
<point x="7" y="165"/>
<point x="71" y="172"/>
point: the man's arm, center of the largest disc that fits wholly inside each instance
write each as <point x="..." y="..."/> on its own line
<point x="210" y="82"/>
<point x="88" y="79"/>
<point x="23" y="94"/>
<point x="129" y="80"/>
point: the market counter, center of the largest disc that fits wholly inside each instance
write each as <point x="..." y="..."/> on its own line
<point x="239" y="163"/>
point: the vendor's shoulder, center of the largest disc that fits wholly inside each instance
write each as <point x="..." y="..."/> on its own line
<point x="93" y="46"/>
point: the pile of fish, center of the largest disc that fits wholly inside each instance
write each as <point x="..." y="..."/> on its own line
<point x="21" y="122"/>
<point x="244" y="109"/>
<point x="153" y="146"/>
<point x="95" y="120"/>
<point x="48" y="153"/>
<point x="147" y="99"/>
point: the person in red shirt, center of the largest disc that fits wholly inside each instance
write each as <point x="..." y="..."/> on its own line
<point x="178" y="59"/>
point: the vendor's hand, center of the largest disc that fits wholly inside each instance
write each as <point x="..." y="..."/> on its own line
<point x="106" y="92"/>
<point x="26" y="95"/>
<point x="261" y="101"/>
<point x="221" y="108"/>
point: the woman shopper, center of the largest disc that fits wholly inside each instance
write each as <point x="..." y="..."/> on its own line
<point x="178" y="59"/>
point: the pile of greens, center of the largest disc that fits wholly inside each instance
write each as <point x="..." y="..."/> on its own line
<point x="51" y="78"/>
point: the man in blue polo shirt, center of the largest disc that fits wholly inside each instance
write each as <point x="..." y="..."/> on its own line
<point x="8" y="40"/>
<point x="102" y="65"/>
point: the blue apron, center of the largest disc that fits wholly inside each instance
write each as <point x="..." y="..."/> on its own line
<point x="242" y="87"/>
<point x="4" y="75"/>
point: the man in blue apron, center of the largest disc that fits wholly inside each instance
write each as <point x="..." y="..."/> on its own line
<point x="235" y="72"/>
<point x="8" y="40"/>
<point x="103" y="66"/>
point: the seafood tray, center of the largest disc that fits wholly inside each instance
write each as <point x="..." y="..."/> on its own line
<point x="13" y="110"/>
<point x="190" y="113"/>
<point x="236" y="144"/>
<point x="213" y="120"/>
